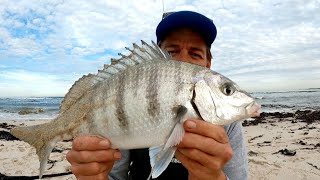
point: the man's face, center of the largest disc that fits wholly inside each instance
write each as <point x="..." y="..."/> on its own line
<point x="188" y="46"/>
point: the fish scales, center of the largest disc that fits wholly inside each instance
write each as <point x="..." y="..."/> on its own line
<point x="141" y="101"/>
<point x="141" y="106"/>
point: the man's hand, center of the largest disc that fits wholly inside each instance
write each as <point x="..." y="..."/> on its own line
<point x="204" y="150"/>
<point x="91" y="157"/>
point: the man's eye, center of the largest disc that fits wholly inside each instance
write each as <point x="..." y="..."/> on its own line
<point x="172" y="52"/>
<point x="195" y="55"/>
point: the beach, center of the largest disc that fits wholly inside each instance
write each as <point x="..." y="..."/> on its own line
<point x="280" y="146"/>
<point x="284" y="148"/>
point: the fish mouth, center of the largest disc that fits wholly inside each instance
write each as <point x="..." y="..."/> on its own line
<point x="253" y="109"/>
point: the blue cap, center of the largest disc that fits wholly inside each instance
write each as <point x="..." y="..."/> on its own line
<point x="187" y="19"/>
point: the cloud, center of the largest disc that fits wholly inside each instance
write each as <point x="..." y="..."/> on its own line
<point x="26" y="83"/>
<point x="259" y="40"/>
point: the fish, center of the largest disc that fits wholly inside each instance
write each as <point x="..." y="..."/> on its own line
<point x="141" y="100"/>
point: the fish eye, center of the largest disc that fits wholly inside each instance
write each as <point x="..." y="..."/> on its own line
<point x="228" y="89"/>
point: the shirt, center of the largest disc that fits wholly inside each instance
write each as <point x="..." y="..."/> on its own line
<point x="235" y="169"/>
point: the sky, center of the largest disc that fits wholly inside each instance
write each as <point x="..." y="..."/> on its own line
<point x="262" y="45"/>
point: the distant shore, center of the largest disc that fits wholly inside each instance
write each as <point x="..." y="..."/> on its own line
<point x="280" y="146"/>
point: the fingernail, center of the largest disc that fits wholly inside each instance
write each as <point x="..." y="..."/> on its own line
<point x="191" y="124"/>
<point x="117" y="155"/>
<point x="104" y="143"/>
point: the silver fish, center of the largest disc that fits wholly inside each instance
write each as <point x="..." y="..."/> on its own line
<point x="141" y="101"/>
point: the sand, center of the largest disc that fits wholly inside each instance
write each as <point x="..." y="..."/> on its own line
<point x="18" y="158"/>
<point x="267" y="143"/>
<point x="266" y="140"/>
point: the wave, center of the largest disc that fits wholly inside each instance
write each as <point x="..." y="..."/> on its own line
<point x="15" y="116"/>
<point x="259" y="97"/>
<point x="291" y="91"/>
<point x="26" y="113"/>
<point x="30" y="98"/>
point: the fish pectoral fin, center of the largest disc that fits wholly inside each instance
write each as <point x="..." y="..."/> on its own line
<point x="177" y="132"/>
<point x="160" y="159"/>
<point x="161" y="156"/>
<point x="204" y="101"/>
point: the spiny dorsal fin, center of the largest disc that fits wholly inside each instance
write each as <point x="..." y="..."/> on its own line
<point x="138" y="55"/>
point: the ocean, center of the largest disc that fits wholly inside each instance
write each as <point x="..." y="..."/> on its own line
<point x="289" y="101"/>
<point x="29" y="108"/>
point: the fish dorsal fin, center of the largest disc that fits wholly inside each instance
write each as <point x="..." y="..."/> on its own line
<point x="138" y="55"/>
<point x="76" y="91"/>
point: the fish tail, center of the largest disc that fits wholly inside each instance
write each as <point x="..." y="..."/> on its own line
<point x="40" y="137"/>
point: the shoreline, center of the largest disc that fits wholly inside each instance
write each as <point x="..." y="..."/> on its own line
<point x="279" y="146"/>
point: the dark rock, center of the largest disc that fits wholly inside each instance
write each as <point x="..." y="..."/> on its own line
<point x="313" y="165"/>
<point x="57" y="150"/>
<point x="263" y="144"/>
<point x="308" y="116"/>
<point x="252" y="153"/>
<point x="302" y="143"/>
<point x="303" y="127"/>
<point x="4" y="177"/>
<point x="286" y="152"/>
<point x="25" y="111"/>
<point x="250" y="140"/>
<point x="7" y="136"/>
<point x="278" y="137"/>
<point x="280" y="115"/>
<point x="264" y="115"/>
<point x="6" y="126"/>
<point x="252" y="122"/>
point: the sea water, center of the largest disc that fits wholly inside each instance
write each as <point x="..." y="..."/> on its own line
<point x="289" y="101"/>
<point x="29" y="108"/>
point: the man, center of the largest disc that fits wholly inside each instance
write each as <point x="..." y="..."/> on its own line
<point x="206" y="151"/>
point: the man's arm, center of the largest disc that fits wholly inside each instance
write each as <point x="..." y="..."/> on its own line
<point x="237" y="167"/>
<point x="121" y="167"/>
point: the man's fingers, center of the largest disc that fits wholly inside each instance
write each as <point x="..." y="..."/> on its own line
<point x="197" y="170"/>
<point x="202" y="158"/>
<point x="90" y="143"/>
<point x="90" y="169"/>
<point x="101" y="176"/>
<point x="206" y="129"/>
<point x="191" y="165"/>
<point x="93" y="156"/>
<point x="205" y="144"/>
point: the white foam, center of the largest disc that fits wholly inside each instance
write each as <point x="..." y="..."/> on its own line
<point x="16" y="116"/>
